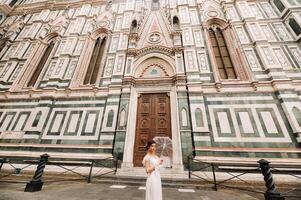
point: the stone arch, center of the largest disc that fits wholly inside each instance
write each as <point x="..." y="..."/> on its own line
<point x="48" y="44"/>
<point x="221" y="23"/>
<point x="240" y="66"/>
<point x="134" y="26"/>
<point x="176" y="23"/>
<point x="166" y="63"/>
<point x="85" y="57"/>
<point x="100" y="32"/>
<point x="49" y="37"/>
<point x="97" y="57"/>
<point x="154" y="70"/>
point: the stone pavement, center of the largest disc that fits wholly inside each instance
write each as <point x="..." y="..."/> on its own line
<point x="101" y="191"/>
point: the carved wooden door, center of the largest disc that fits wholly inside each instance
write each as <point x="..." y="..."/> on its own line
<point x="153" y="119"/>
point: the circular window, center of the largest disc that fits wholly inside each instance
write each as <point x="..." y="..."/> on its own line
<point x="154" y="38"/>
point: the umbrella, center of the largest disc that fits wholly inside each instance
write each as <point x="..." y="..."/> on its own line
<point x="164" y="149"/>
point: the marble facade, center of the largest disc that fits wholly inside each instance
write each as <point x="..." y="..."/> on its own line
<point x="151" y="47"/>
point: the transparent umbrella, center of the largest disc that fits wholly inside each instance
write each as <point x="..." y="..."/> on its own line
<point x="164" y="149"/>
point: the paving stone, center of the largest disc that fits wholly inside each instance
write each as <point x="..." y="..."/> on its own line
<point x="81" y="190"/>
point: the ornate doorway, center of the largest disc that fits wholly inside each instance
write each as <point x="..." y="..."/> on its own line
<point x="153" y="119"/>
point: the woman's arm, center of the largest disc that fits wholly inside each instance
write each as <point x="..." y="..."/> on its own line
<point x="149" y="168"/>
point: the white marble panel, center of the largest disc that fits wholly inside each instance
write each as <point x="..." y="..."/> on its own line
<point x="224" y="122"/>
<point x="246" y="122"/>
<point x="90" y="122"/>
<point x="57" y="123"/>
<point x="73" y="123"/>
<point x="262" y="137"/>
<point x="20" y="123"/>
<point x="269" y="122"/>
<point x="6" y="122"/>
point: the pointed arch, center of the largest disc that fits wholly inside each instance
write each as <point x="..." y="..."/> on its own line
<point x="221" y="54"/>
<point x="165" y="62"/>
<point x="134" y="26"/>
<point x="100" y="32"/>
<point x="227" y="60"/>
<point x="94" y="65"/>
<point x="297" y="114"/>
<point x="184" y="117"/>
<point x="176" y="23"/>
<point x="50" y="41"/>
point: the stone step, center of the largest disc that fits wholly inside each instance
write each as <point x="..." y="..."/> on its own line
<point x="170" y="173"/>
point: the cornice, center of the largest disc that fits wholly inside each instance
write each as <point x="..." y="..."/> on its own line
<point x="53" y="5"/>
<point x="179" y="79"/>
<point x="54" y="93"/>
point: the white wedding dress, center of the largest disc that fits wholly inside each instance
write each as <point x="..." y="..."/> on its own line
<point x="153" y="182"/>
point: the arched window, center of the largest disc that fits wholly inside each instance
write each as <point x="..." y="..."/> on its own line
<point x="221" y="54"/>
<point x="134" y="26"/>
<point x="95" y="61"/>
<point x="176" y="23"/>
<point x="41" y="64"/>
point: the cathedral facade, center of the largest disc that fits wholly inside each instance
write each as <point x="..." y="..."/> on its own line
<point x="220" y="78"/>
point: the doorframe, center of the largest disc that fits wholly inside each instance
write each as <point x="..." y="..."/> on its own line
<point x="132" y="119"/>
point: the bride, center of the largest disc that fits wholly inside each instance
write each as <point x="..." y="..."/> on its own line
<point x="151" y="163"/>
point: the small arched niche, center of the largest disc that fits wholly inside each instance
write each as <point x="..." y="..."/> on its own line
<point x="134" y="26"/>
<point x="176" y="23"/>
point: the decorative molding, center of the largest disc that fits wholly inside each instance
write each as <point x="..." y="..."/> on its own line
<point x="152" y="49"/>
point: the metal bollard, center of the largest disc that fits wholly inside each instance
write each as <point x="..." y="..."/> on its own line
<point x="271" y="193"/>
<point x="90" y="172"/>
<point x="36" y="183"/>
<point x="189" y="160"/>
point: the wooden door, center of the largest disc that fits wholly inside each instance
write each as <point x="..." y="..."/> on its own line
<point x="153" y="119"/>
